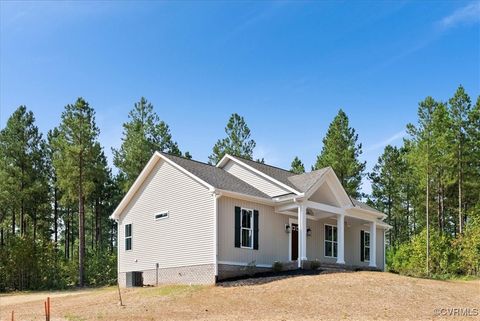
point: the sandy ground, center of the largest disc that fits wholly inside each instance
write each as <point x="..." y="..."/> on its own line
<point x="337" y="296"/>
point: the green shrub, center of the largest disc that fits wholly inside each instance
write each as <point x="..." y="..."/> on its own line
<point x="468" y="245"/>
<point x="314" y="265"/>
<point x="251" y="268"/>
<point x="410" y="258"/>
<point x="277" y="266"/>
<point x="101" y="268"/>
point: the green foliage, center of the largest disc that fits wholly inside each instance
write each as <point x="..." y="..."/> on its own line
<point x="101" y="269"/>
<point x="314" y="265"/>
<point x="25" y="264"/>
<point x="469" y="244"/>
<point x="237" y="142"/>
<point x="297" y="166"/>
<point x="23" y="183"/>
<point x="143" y="135"/>
<point x="77" y="150"/>
<point x="409" y="258"/>
<point x="277" y="266"/>
<point x="341" y="152"/>
<point x="432" y="182"/>
<point x="76" y="162"/>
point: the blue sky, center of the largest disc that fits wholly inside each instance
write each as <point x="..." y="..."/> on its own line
<point x="287" y="67"/>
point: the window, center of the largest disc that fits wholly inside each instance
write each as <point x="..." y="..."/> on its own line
<point x="128" y="237"/>
<point x="161" y="215"/>
<point x="246" y="229"/>
<point x="366" y="246"/>
<point x="330" y="241"/>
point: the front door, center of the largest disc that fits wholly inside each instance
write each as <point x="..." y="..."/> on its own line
<point x="294" y="242"/>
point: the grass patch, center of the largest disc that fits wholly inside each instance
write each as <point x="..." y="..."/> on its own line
<point x="72" y="317"/>
<point x="455" y="277"/>
<point x="169" y="290"/>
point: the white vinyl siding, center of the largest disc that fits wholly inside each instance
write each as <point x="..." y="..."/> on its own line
<point x="272" y="239"/>
<point x="274" y="242"/>
<point x="185" y="238"/>
<point x="259" y="182"/>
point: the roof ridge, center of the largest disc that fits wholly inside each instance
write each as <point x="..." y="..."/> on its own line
<point x="273" y="166"/>
<point x="305" y="173"/>
<point x="188" y="159"/>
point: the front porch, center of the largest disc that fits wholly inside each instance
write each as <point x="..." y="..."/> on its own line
<point x="342" y="237"/>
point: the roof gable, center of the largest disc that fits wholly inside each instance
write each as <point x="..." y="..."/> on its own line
<point x="207" y="175"/>
<point x="215" y="177"/>
<point x="273" y="174"/>
<point x="303" y="182"/>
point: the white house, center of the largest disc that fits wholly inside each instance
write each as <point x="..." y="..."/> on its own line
<point x="184" y="221"/>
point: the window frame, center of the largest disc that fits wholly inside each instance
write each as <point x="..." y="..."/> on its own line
<point x="165" y="213"/>
<point x="332" y="242"/>
<point x="246" y="228"/>
<point x="364" y="246"/>
<point x="129" y="237"/>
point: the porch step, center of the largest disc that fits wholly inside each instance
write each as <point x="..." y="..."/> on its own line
<point x="332" y="268"/>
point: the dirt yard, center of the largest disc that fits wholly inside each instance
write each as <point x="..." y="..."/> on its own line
<point x="337" y="296"/>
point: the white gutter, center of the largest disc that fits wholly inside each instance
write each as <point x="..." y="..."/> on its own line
<point x="216" y="196"/>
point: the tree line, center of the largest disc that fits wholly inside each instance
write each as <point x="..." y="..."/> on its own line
<point x="57" y="191"/>
<point x="430" y="189"/>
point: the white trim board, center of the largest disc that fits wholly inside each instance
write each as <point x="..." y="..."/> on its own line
<point x="222" y="162"/>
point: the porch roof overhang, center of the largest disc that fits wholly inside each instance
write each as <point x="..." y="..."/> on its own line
<point x="354" y="212"/>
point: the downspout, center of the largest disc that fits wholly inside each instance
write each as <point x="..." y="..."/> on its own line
<point x="216" y="196"/>
<point x="118" y="255"/>
<point x="384" y="248"/>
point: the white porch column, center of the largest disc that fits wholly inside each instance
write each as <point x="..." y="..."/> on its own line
<point x="373" y="244"/>
<point x="341" y="238"/>
<point x="302" y="233"/>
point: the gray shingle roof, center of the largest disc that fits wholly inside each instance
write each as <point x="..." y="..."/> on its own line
<point x="299" y="182"/>
<point x="364" y="206"/>
<point x="221" y="179"/>
<point x="302" y="182"/>
<point x="305" y="181"/>
<point x="216" y="177"/>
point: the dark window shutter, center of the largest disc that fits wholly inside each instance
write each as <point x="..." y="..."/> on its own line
<point x="255" y="230"/>
<point x="362" y="246"/>
<point x="237" y="226"/>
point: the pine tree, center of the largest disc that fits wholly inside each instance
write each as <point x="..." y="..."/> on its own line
<point x="341" y="152"/>
<point x="297" y="166"/>
<point x="473" y="161"/>
<point x="441" y="134"/>
<point x="97" y="199"/>
<point x="385" y="178"/>
<point x="237" y="142"/>
<point x="22" y="151"/>
<point x="420" y="156"/>
<point x="460" y="106"/>
<point x="75" y="163"/>
<point x="51" y="136"/>
<point x="143" y="135"/>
